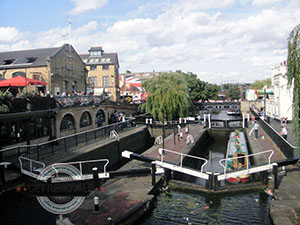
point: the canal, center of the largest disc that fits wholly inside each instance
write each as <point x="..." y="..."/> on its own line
<point x="172" y="207"/>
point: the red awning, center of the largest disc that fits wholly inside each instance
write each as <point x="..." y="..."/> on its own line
<point x="20" y="81"/>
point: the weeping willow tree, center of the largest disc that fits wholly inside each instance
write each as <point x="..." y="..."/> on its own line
<point x="293" y="74"/>
<point x="168" y="96"/>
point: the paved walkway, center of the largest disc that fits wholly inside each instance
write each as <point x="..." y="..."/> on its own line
<point x="120" y="198"/>
<point x="285" y="207"/>
<point x="276" y="125"/>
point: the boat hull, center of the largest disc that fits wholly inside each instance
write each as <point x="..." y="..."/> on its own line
<point x="238" y="180"/>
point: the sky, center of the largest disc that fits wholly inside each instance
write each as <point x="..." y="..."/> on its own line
<point x="222" y="41"/>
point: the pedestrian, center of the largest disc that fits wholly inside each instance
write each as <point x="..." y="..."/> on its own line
<point x="256" y="129"/>
<point x="284" y="132"/>
<point x="252" y="120"/>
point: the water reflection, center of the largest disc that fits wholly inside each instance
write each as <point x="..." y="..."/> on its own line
<point x="187" y="208"/>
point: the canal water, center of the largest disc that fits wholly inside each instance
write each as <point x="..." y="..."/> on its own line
<point x="175" y="207"/>
<point x="172" y="207"/>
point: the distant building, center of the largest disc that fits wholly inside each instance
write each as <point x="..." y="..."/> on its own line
<point x="130" y="84"/>
<point x="61" y="68"/>
<point x="103" y="72"/>
<point x="280" y="104"/>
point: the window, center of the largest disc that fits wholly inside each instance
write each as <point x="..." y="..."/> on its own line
<point x="67" y="123"/>
<point x="31" y="59"/>
<point x="8" y="61"/>
<point x="105" y="81"/>
<point x="91" y="81"/>
<point x="85" y="120"/>
<point x="105" y="67"/>
<point x="36" y="77"/>
<point x="65" y="85"/>
<point x="15" y="74"/>
<point x="93" y="67"/>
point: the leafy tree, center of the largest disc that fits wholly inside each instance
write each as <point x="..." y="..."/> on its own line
<point x="293" y="73"/>
<point x="169" y="95"/>
<point x="200" y="89"/>
<point x="259" y="84"/>
<point x="234" y="92"/>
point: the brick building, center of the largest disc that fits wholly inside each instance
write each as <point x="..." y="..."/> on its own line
<point x="103" y="72"/>
<point x="61" y="68"/>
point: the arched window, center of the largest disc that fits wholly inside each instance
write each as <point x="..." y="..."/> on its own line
<point x="15" y="74"/>
<point x="67" y="123"/>
<point x="85" y="120"/>
<point x="100" y="118"/>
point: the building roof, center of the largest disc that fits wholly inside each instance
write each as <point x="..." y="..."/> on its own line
<point x="96" y="49"/>
<point x="103" y="58"/>
<point x="27" y="58"/>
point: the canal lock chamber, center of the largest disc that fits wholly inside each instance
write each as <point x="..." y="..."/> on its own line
<point x="188" y="200"/>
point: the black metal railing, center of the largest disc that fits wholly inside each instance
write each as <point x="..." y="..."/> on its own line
<point x="288" y="150"/>
<point x="30" y="103"/>
<point x="73" y="101"/>
<point x="63" y="144"/>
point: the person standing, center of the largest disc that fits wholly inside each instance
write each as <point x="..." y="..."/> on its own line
<point x="256" y="129"/>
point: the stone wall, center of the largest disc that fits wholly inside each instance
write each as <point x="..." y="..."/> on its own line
<point x="66" y="65"/>
<point x="137" y="142"/>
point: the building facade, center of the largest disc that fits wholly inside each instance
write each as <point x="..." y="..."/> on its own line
<point x="61" y="68"/>
<point x="103" y="72"/>
<point x="279" y="104"/>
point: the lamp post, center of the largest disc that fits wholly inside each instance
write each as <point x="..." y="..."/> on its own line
<point x="264" y="103"/>
<point x="163" y="120"/>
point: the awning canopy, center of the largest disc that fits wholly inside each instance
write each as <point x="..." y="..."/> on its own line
<point x="20" y="81"/>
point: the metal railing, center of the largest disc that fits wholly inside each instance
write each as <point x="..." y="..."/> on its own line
<point x="31" y="167"/>
<point x="248" y="160"/>
<point x="288" y="150"/>
<point x="87" y="174"/>
<point x="162" y="152"/>
<point x="63" y="144"/>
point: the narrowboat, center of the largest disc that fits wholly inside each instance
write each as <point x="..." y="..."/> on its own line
<point x="237" y="147"/>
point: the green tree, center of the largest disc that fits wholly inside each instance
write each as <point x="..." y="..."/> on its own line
<point x="259" y="84"/>
<point x="293" y="73"/>
<point x="234" y="92"/>
<point x="169" y="95"/>
<point x="200" y="89"/>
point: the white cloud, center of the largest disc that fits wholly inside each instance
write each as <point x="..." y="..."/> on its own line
<point x="188" y="35"/>
<point x="82" y="6"/>
<point x="264" y="2"/>
<point x="9" y="34"/>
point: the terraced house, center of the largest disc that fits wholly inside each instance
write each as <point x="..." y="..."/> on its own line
<point x="60" y="67"/>
<point x="103" y="72"/>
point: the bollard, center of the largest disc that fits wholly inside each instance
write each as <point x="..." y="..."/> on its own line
<point x="95" y="177"/>
<point x="167" y="175"/>
<point x="186" y="130"/>
<point x="96" y="203"/>
<point x="275" y="172"/>
<point x="216" y="182"/>
<point x="153" y="167"/>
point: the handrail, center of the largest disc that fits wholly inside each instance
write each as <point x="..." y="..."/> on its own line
<point x="65" y="137"/>
<point x="162" y="150"/>
<point x="83" y="162"/>
<point x="238" y="157"/>
<point x="30" y="163"/>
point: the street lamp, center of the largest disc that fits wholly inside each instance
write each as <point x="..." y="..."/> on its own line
<point x="265" y="103"/>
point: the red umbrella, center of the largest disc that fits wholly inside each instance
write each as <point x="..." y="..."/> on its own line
<point x="20" y="81"/>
